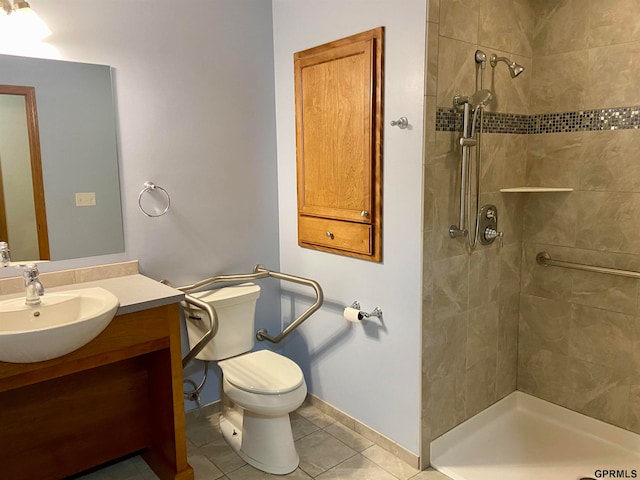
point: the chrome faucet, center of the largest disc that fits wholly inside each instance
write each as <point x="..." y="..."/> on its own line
<point x="5" y="259"/>
<point x="33" y="287"/>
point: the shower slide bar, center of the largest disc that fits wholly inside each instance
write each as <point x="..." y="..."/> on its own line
<point x="258" y="272"/>
<point x="544" y="259"/>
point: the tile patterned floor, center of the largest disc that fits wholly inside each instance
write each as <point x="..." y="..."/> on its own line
<point x="327" y="449"/>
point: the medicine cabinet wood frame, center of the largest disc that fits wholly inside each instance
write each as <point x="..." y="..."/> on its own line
<point x="338" y="99"/>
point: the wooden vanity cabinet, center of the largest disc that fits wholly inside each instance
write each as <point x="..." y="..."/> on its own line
<point x="338" y="96"/>
<point x="118" y="395"/>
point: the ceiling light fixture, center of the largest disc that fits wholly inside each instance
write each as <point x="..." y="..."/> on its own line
<point x="17" y="5"/>
<point x="22" y="21"/>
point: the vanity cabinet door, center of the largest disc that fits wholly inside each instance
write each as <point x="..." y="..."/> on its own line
<point x="338" y="141"/>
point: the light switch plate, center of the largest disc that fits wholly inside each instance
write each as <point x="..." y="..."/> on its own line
<point x="87" y="199"/>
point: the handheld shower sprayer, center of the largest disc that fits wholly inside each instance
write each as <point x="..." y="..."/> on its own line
<point x="514" y="68"/>
<point x="473" y="110"/>
<point x="471" y="105"/>
<point x="479" y="99"/>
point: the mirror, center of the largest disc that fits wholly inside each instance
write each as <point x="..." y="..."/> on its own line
<point x="62" y="112"/>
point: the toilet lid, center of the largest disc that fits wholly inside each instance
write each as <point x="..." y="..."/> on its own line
<point x="262" y="372"/>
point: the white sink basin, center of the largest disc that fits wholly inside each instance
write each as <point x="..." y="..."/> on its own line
<point x="62" y="323"/>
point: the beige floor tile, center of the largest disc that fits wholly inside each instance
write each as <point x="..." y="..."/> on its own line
<point x="389" y="462"/>
<point x="97" y="475"/>
<point x="203" y="468"/>
<point x="315" y="416"/>
<point x="301" y="427"/>
<point x="327" y="449"/>
<point x="134" y="468"/>
<point x="320" y="451"/>
<point x="249" y="473"/>
<point x="146" y="476"/>
<point x="202" y="431"/>
<point x="348" y="437"/>
<point x="191" y="447"/>
<point x="145" y="472"/>
<point x="221" y="455"/>
<point x="356" y="468"/>
<point x="121" y="470"/>
<point x="430" y="474"/>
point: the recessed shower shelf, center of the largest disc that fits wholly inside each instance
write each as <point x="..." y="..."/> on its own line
<point x="535" y="189"/>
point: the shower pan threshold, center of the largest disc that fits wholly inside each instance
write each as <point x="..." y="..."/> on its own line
<point x="524" y="438"/>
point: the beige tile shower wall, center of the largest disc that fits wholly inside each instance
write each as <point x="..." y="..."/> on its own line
<point x="585" y="55"/>
<point x="431" y="83"/>
<point x="579" y="333"/>
<point x="470" y="301"/>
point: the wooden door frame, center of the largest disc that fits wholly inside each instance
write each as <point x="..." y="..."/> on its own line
<point x="29" y="94"/>
<point x="4" y="233"/>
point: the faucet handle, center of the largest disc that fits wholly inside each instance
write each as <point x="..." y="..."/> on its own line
<point x="29" y="272"/>
<point x="491" y="234"/>
<point x="31" y="276"/>
<point x="5" y="259"/>
<point x="29" y="267"/>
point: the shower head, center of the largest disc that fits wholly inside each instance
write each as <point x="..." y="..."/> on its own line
<point x="514" y="68"/>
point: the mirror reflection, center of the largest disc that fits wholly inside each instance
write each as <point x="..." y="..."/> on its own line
<point x="23" y="221"/>
<point x="59" y="186"/>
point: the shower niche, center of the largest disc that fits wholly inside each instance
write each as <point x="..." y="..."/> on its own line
<point x="535" y="189"/>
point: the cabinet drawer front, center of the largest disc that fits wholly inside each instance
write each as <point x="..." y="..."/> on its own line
<point x="352" y="237"/>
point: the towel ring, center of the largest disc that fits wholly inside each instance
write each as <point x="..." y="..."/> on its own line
<point x="150" y="187"/>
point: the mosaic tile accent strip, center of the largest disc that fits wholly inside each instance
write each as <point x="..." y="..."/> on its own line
<point x="450" y="120"/>
<point x="507" y="123"/>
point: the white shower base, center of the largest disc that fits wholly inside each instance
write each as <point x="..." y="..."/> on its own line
<point x="524" y="438"/>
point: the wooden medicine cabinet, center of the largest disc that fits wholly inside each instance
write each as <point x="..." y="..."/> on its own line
<point x="338" y="92"/>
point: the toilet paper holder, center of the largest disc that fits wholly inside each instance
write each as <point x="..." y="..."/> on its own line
<point x="377" y="312"/>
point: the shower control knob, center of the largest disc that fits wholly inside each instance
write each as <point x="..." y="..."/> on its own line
<point x="491" y="234"/>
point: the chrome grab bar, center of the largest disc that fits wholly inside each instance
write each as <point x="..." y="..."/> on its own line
<point x="258" y="272"/>
<point x="262" y="334"/>
<point x="213" y="328"/>
<point x="544" y="259"/>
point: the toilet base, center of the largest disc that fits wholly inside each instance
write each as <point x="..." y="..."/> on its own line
<point x="265" y="443"/>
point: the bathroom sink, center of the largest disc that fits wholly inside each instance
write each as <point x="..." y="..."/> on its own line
<point x="60" y="324"/>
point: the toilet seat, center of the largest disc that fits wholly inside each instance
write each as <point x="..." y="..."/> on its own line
<point x="262" y="372"/>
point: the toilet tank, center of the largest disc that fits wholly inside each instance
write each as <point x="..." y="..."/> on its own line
<point x="236" y="309"/>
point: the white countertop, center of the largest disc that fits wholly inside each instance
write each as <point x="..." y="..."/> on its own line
<point x="135" y="292"/>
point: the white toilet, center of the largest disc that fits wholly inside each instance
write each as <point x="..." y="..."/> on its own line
<point x="262" y="386"/>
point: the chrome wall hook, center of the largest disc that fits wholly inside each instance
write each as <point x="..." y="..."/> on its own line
<point x="401" y="123"/>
